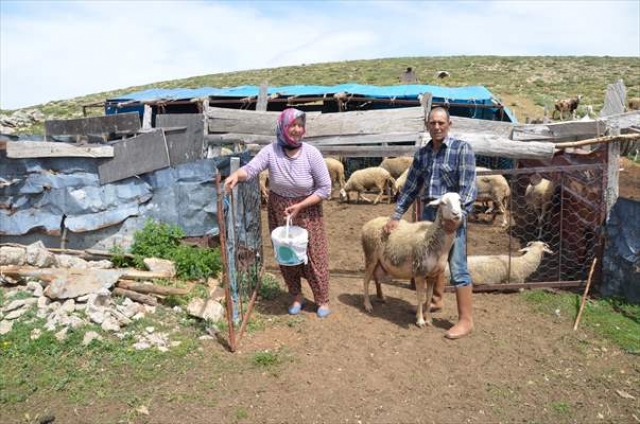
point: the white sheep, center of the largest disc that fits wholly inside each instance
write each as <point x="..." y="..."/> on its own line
<point x="336" y="172"/>
<point x="368" y="179"/>
<point x="418" y="250"/>
<point x="538" y="197"/>
<point x="401" y="180"/>
<point x="485" y="269"/>
<point x="396" y="166"/>
<point x="494" y="188"/>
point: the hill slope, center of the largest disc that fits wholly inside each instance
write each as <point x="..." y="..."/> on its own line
<point x="525" y="84"/>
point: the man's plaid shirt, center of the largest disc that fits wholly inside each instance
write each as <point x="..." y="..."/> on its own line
<point x="452" y="169"/>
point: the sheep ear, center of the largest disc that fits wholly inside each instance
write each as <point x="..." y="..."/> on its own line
<point x="435" y="202"/>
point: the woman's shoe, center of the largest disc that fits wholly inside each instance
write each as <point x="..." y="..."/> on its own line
<point x="323" y="312"/>
<point x="296" y="308"/>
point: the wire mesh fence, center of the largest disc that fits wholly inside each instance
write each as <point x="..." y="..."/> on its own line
<point x="554" y="224"/>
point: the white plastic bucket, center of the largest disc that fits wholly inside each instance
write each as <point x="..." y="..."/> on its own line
<point x="290" y="244"/>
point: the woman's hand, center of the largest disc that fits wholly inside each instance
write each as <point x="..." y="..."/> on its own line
<point x="232" y="180"/>
<point x="294" y="209"/>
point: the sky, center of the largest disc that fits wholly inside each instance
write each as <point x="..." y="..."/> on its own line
<point x="57" y="50"/>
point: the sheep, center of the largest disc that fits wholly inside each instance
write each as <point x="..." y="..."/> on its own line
<point x="418" y="250"/>
<point x="336" y="172"/>
<point x="442" y="74"/>
<point x="264" y="186"/>
<point x="538" y="197"/>
<point x="401" y="180"/>
<point x="485" y="269"/>
<point x="396" y="166"/>
<point x="567" y="105"/>
<point x="494" y="188"/>
<point x="368" y="179"/>
<point x="633" y="103"/>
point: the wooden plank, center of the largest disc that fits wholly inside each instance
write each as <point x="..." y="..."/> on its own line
<point x="481" y="144"/>
<point x="118" y="125"/>
<point x="185" y="145"/>
<point x="263" y="98"/>
<point x="409" y="119"/>
<point x="134" y="156"/>
<point x="614" y="99"/>
<point x="47" y="149"/>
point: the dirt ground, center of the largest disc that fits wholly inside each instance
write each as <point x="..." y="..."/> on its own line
<point x="518" y="365"/>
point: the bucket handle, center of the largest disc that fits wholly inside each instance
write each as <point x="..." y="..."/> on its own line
<point x="286" y="228"/>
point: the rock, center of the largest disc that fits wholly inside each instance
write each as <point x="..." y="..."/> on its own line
<point x="103" y="264"/>
<point x="38" y="255"/>
<point x="10" y="255"/>
<point x="43" y="302"/>
<point x="36" y="288"/>
<point x="161" y="265"/>
<point x="217" y="294"/>
<point x="71" y="283"/>
<point x="207" y="310"/>
<point x="17" y="313"/>
<point x="110" y="324"/>
<point x="89" y="337"/>
<point x="19" y="303"/>
<point x="68" y="306"/>
<point x="70" y="261"/>
<point x="62" y="334"/>
<point x="35" y="334"/>
<point x="5" y="327"/>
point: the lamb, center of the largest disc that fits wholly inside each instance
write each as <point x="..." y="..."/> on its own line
<point x="416" y="250"/>
<point x="538" y="197"/>
<point x="494" y="188"/>
<point x="396" y="166"/>
<point x="368" y="179"/>
<point x="567" y="105"/>
<point x="336" y="172"/>
<point x="485" y="269"/>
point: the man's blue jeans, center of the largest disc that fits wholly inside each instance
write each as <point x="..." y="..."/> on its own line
<point x="458" y="256"/>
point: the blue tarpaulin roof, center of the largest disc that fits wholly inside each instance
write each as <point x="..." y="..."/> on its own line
<point x="471" y="93"/>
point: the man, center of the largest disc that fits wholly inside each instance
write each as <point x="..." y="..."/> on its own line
<point x="443" y="165"/>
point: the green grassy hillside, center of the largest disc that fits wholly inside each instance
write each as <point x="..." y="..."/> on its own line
<point x="524" y="84"/>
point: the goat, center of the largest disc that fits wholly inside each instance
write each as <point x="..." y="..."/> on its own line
<point x="418" y="250"/>
<point x="567" y="105"/>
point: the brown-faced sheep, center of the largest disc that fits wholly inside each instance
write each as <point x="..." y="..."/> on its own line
<point x="413" y="250"/>
<point x="494" y="188"/>
<point x="396" y="166"/>
<point x="633" y="103"/>
<point x="373" y="178"/>
<point x="539" y="197"/>
<point x="336" y="172"/>
<point x="567" y="105"/>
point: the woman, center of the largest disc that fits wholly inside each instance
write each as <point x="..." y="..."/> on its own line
<point x="298" y="182"/>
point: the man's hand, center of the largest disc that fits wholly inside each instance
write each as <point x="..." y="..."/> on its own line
<point x="391" y="225"/>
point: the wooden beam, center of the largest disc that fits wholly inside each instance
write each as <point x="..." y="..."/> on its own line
<point x="119" y="124"/>
<point x="150" y="288"/>
<point x="47" y="149"/>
